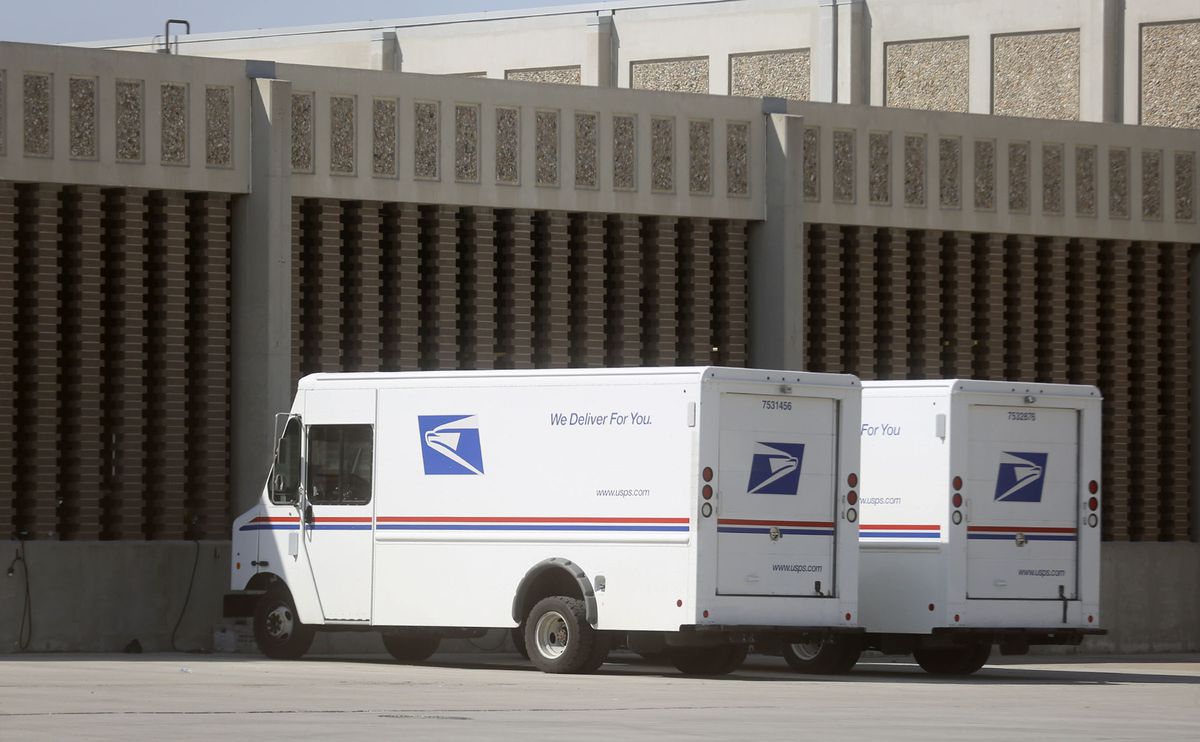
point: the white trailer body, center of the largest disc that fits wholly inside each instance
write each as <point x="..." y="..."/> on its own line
<point x="436" y="500"/>
<point x="980" y="512"/>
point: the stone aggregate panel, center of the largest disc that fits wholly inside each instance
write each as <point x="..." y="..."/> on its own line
<point x="1053" y="91"/>
<point x="587" y="150"/>
<point x="1171" y="74"/>
<point x="38" y="99"/>
<point x="130" y="120"/>
<point x="84" y="133"/>
<point x="1018" y="177"/>
<point x="879" y="166"/>
<point x="1053" y="177"/>
<point x="427" y="140"/>
<point x="985" y="174"/>
<point x="662" y="154"/>
<point x="385" y="124"/>
<point x="928" y="75"/>
<point x="174" y="123"/>
<point x="508" y="145"/>
<point x="571" y="75"/>
<point x="700" y="142"/>
<point x="546" y="147"/>
<point x="1185" y="186"/>
<point x="218" y="126"/>
<point x="950" y="172"/>
<point x="844" y="169"/>
<point x="303" y="132"/>
<point x="1085" y="180"/>
<point x="624" y="153"/>
<point x="1152" y="184"/>
<point x="812" y="163"/>
<point x="466" y="142"/>
<point x="915" y="156"/>
<point x="737" y="158"/>
<point x="775" y="74"/>
<point x="343" y="127"/>
<point x="1118" y="183"/>
<point x="671" y="75"/>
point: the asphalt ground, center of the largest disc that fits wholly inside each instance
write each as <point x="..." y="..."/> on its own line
<point x="501" y="697"/>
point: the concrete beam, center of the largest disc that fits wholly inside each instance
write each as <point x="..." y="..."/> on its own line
<point x="777" y="249"/>
<point x="262" y="293"/>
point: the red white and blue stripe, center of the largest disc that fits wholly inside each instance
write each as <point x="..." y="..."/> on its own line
<point x="875" y="531"/>
<point x="571" y="524"/>
<point x="786" y="527"/>
<point x="264" y="523"/>
<point x="1031" y="533"/>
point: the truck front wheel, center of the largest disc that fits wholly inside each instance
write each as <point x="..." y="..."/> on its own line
<point x="559" y="638"/>
<point x="830" y="656"/>
<point x="719" y="660"/>
<point x="959" y="660"/>
<point x="277" y="628"/>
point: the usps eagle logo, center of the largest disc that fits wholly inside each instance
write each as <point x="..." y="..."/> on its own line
<point x="1021" y="477"/>
<point x="450" y="444"/>
<point x="775" y="469"/>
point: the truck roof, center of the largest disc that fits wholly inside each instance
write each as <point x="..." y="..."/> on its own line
<point x="696" y="373"/>
<point x="985" y="386"/>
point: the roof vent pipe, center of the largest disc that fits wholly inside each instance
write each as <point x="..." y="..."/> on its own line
<point x="187" y="26"/>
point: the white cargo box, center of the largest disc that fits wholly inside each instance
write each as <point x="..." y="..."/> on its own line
<point x="442" y="500"/>
<point x="980" y="509"/>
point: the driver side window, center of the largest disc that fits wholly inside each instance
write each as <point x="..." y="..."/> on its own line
<point x="340" y="464"/>
<point x="285" y="477"/>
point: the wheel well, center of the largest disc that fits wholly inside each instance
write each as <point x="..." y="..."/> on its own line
<point x="263" y="580"/>
<point x="555" y="576"/>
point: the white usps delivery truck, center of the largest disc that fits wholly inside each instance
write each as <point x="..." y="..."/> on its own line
<point x="710" y="507"/>
<point x="980" y="523"/>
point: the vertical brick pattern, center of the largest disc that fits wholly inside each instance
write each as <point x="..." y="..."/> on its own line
<point x="587" y="297"/>
<point x="735" y="350"/>
<point x="1052" y="311"/>
<point x="81" y="291"/>
<point x="166" y="360"/>
<point x="622" y="290"/>
<point x="1114" y="381"/>
<point x="925" y="302"/>
<point x="1144" y="380"/>
<point x="439" y="287"/>
<point x="551" y="328"/>
<point x="320" y="287"/>
<point x="125" y="434"/>
<point x="400" y="274"/>
<point x="891" y="300"/>
<point x="958" y="302"/>
<point x="658" y="291"/>
<point x="36" y="465"/>
<point x="825" y="329"/>
<point x="988" y="309"/>
<point x="1175" y="393"/>
<point x="480" y="301"/>
<point x="1020" y="308"/>
<point x="522" y="292"/>
<point x="700" y="284"/>
<point x="208" y="244"/>
<point x="299" y="242"/>
<point x="9" y="315"/>
<point x="360" y="300"/>
<point x="860" y="278"/>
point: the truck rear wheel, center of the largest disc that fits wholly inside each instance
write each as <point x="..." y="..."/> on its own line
<point x="277" y="628"/>
<point x="719" y="660"/>
<point x="959" y="660"/>
<point x="410" y="646"/>
<point x="830" y="656"/>
<point x="559" y="638"/>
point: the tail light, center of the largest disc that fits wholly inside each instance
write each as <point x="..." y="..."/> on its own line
<point x="852" y="479"/>
<point x="852" y="497"/>
<point x="708" y="474"/>
<point x="957" y="500"/>
<point x="1093" y="487"/>
<point x="957" y="483"/>
<point x="707" y="492"/>
<point x="1093" y="503"/>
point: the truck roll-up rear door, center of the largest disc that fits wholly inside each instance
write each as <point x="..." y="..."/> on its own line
<point x="776" y="501"/>
<point x="1023" y="486"/>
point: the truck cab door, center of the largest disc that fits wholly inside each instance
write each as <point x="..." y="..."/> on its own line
<point x="339" y="503"/>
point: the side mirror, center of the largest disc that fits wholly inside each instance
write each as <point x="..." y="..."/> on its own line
<point x="308" y="514"/>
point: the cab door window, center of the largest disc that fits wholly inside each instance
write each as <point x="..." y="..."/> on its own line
<point x="285" y="476"/>
<point x="340" y="464"/>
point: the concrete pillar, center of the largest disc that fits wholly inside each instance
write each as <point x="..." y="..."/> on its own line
<point x="853" y="60"/>
<point x="979" y="95"/>
<point x="261" y="300"/>
<point x="825" y="55"/>
<point x="385" y="52"/>
<point x="599" y="68"/>
<point x="777" y="249"/>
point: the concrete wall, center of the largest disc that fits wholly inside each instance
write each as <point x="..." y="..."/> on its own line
<point x="97" y="597"/>
<point x="1130" y="61"/>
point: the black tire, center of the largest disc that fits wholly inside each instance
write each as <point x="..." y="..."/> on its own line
<point x="410" y="646"/>
<point x="277" y="628"/>
<point x="599" y="654"/>
<point x="559" y="638"/>
<point x="518" y="640"/>
<point x="830" y="656"/>
<point x="959" y="660"/>
<point x="719" y="660"/>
